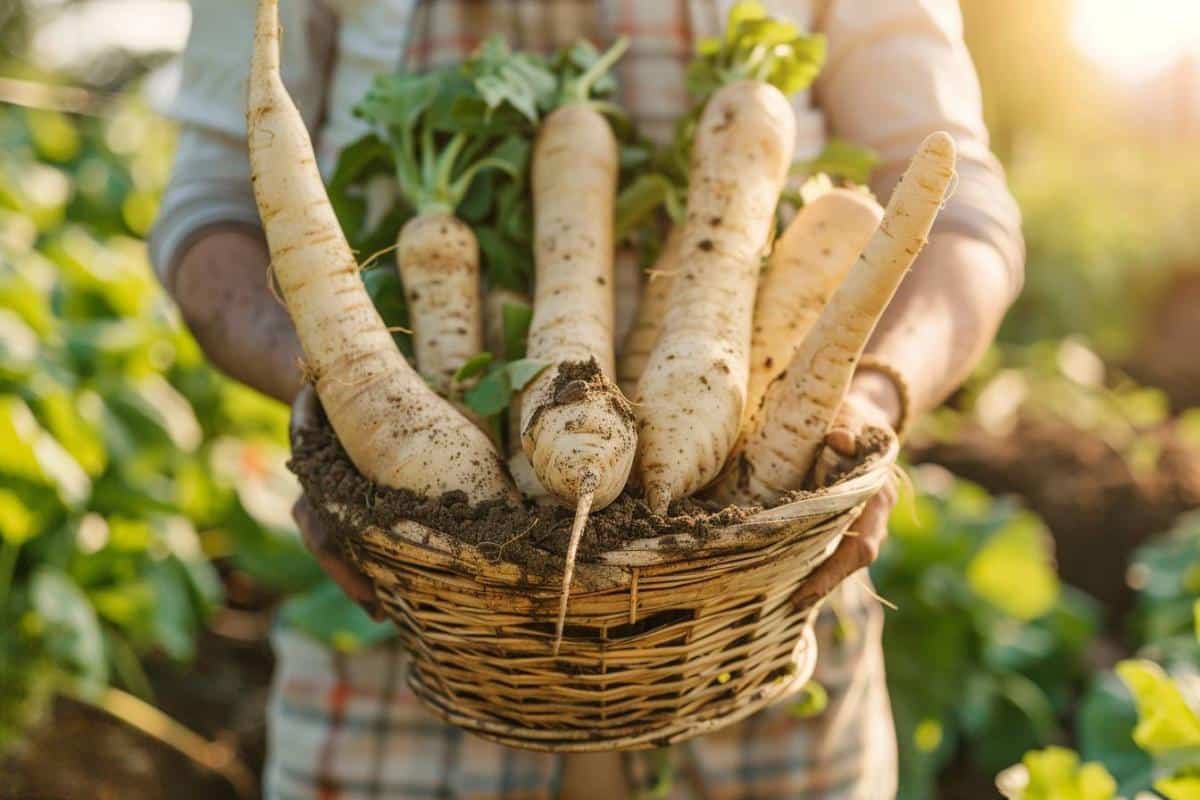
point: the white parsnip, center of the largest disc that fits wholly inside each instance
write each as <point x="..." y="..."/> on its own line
<point x="809" y="260"/>
<point x="394" y="428"/>
<point x="802" y="403"/>
<point x="576" y="426"/>
<point x="691" y="396"/>
<point x="438" y="260"/>
<point x="652" y="305"/>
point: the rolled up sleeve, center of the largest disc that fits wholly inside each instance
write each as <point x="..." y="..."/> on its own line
<point x="210" y="178"/>
<point x="897" y="70"/>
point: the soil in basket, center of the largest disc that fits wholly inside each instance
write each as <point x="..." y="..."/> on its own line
<point x="531" y="536"/>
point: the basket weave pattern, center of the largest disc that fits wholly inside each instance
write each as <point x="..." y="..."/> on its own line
<point x="666" y="638"/>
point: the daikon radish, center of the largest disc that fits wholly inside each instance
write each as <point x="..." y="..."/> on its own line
<point x="395" y="429"/>
<point x="802" y="402"/>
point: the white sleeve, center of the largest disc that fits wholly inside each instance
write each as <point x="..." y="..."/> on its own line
<point x="371" y="40"/>
<point x="210" y="178"/>
<point x="896" y="71"/>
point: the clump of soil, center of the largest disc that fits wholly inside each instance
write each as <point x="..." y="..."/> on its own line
<point x="532" y="536"/>
<point x="577" y="380"/>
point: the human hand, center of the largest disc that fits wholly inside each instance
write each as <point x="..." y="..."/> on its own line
<point x="871" y="402"/>
<point x="316" y="536"/>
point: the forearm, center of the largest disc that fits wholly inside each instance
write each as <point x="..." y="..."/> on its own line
<point x="941" y="320"/>
<point x="221" y="286"/>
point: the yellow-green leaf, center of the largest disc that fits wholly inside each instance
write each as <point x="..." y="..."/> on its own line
<point x="1014" y="572"/>
<point x="1165" y="721"/>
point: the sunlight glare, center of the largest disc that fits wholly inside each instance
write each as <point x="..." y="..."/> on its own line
<point x="1136" y="40"/>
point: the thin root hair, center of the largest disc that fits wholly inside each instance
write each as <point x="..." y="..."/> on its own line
<point x="374" y="256"/>
<point x="883" y="601"/>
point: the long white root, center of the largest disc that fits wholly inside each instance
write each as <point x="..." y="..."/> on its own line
<point x="394" y="428"/>
<point x="802" y="403"/>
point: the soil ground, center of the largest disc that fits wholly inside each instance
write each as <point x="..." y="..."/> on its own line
<point x="1098" y="509"/>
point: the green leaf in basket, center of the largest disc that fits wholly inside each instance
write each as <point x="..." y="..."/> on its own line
<point x="73" y="633"/>
<point x="491" y="395"/>
<point x="1179" y="788"/>
<point x="475" y="365"/>
<point x="522" y="371"/>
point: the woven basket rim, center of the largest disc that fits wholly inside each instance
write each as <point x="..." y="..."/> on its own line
<point x="618" y="566"/>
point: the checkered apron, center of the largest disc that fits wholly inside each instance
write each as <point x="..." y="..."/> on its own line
<point x="346" y="727"/>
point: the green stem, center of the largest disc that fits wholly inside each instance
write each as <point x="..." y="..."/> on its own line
<point x="580" y="90"/>
<point x="428" y="157"/>
<point x="459" y="187"/>
<point x="408" y="173"/>
<point x="444" y="169"/>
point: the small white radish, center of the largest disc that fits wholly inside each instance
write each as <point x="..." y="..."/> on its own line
<point x="640" y="340"/>
<point x="576" y="426"/>
<point x="394" y="428"/>
<point x="691" y="396"/>
<point x="438" y="259"/>
<point x="801" y="404"/>
<point x="809" y="260"/>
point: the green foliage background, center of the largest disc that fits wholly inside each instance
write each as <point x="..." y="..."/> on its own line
<point x="133" y="478"/>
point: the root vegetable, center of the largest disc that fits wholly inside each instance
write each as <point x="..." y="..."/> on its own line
<point x="394" y="428"/>
<point x="808" y="262"/>
<point x="576" y="426"/>
<point x="640" y="340"/>
<point x="438" y="259"/>
<point x="802" y="403"/>
<point x="691" y="396"/>
<point x="438" y="157"/>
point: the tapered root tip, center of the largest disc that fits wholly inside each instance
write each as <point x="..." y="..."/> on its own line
<point x="940" y="144"/>
<point x="658" y="497"/>
<point x="582" y="508"/>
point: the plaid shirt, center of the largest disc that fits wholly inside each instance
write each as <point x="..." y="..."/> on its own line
<point x="346" y="727"/>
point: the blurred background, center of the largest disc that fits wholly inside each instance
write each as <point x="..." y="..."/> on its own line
<point x="145" y="540"/>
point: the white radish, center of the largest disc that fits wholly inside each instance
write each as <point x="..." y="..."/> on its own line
<point x="691" y="396"/>
<point x="802" y="403"/>
<point x="640" y="340"/>
<point x="438" y="259"/>
<point x="809" y="260"/>
<point x="395" y="429"/>
<point x="576" y="426"/>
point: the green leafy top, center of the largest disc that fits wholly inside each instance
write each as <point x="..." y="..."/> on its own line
<point x="759" y="47"/>
<point x="585" y="74"/>
<point x="754" y="46"/>
<point x="447" y="126"/>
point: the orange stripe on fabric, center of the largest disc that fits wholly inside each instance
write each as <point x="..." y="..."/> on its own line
<point x="339" y="694"/>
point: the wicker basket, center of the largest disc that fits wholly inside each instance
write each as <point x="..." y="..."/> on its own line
<point x="665" y="640"/>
